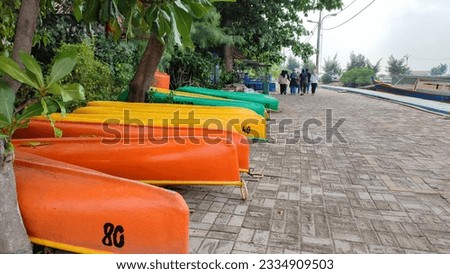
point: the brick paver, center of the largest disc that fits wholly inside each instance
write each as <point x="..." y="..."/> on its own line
<point x="383" y="187"/>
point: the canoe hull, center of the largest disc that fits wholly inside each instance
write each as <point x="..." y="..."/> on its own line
<point x="242" y="120"/>
<point x="269" y="102"/>
<point x="160" y="96"/>
<point x="165" y="161"/>
<point x="39" y="128"/>
<point x="252" y="128"/>
<point x="84" y="211"/>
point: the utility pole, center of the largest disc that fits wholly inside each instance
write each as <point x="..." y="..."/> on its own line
<point x="319" y="28"/>
<point x="319" y="33"/>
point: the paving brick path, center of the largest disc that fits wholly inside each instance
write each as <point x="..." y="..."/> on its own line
<point x="381" y="186"/>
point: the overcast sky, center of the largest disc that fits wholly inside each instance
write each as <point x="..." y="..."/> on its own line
<point x="417" y="28"/>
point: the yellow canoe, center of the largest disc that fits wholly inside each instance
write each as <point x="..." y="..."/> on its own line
<point x="252" y="126"/>
<point x="208" y="111"/>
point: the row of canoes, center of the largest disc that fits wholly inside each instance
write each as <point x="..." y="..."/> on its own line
<point x="92" y="190"/>
<point x="259" y="103"/>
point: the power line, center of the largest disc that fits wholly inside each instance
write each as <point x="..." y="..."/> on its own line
<point x="315" y="27"/>
<point x="311" y="35"/>
<point x="352" y="16"/>
<point x="346" y="7"/>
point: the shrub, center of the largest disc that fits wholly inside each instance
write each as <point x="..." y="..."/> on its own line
<point x="190" y="68"/>
<point x="357" y="77"/>
<point x="94" y="75"/>
<point x="122" y="57"/>
<point x="326" y="79"/>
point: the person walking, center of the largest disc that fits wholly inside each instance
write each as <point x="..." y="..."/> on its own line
<point x="314" y="83"/>
<point x="294" y="82"/>
<point x="308" y="82"/>
<point x="283" y="80"/>
<point x="303" y="80"/>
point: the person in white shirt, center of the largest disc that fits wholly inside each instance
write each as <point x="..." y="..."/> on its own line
<point x="314" y="83"/>
<point x="283" y="80"/>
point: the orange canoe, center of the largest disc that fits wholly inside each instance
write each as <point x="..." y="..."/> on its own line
<point x="161" y="162"/>
<point x="39" y="128"/>
<point x="84" y="211"/>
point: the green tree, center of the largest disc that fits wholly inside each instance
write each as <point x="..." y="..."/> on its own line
<point x="360" y="61"/>
<point x="292" y="63"/>
<point x="201" y="66"/>
<point x="161" y="20"/>
<point x="356" y="61"/>
<point x="331" y="68"/>
<point x="268" y="26"/>
<point x="376" y="68"/>
<point x="357" y="77"/>
<point x="190" y="68"/>
<point x="439" y="70"/>
<point x="8" y="18"/>
<point x="397" y="67"/>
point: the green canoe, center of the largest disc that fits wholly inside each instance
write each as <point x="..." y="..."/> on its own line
<point x="267" y="101"/>
<point x="159" y="97"/>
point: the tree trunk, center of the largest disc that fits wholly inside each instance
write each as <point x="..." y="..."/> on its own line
<point x="229" y="57"/>
<point x="146" y="70"/>
<point x="23" y="38"/>
<point x="14" y="237"/>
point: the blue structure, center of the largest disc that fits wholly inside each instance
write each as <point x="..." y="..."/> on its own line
<point x="258" y="84"/>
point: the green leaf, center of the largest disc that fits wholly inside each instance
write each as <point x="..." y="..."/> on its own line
<point x="52" y="106"/>
<point x="61" y="68"/>
<point x="173" y="21"/>
<point x="183" y="22"/>
<point x="31" y="111"/>
<point x="72" y="92"/>
<point x="126" y="7"/>
<point x="180" y="5"/>
<point x="151" y="14"/>
<point x="163" y="23"/>
<point x="11" y="68"/>
<point x="91" y="11"/>
<point x="44" y="107"/>
<point x="54" y="89"/>
<point x="105" y="11"/>
<point x="58" y="132"/>
<point x="78" y="9"/>
<point x="61" y="107"/>
<point x="198" y="9"/>
<point x="3" y="122"/>
<point x="7" y="98"/>
<point x="117" y="29"/>
<point x="32" y="65"/>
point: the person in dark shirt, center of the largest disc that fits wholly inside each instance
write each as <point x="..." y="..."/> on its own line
<point x="308" y="82"/>
<point x="294" y="82"/>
